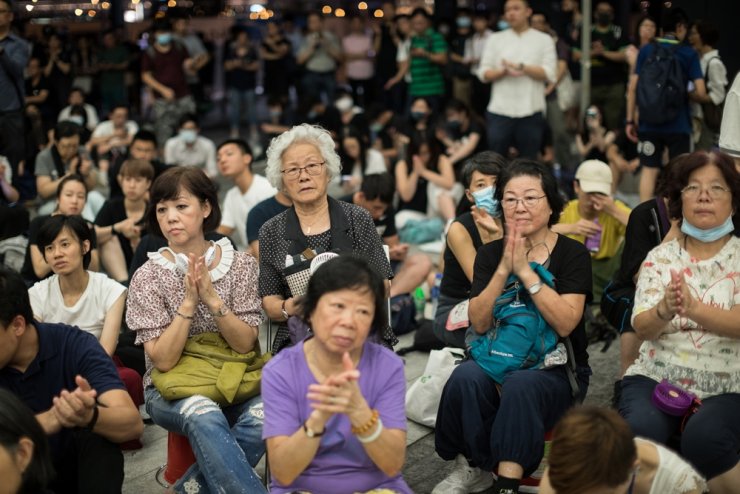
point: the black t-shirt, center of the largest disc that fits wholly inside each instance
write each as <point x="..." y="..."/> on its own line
<point x="570" y="263"/>
<point x="114" y="211"/>
<point x="420" y="200"/>
<point x="239" y="78"/>
<point x="385" y="61"/>
<point x="454" y="282"/>
<point x="386" y="224"/>
<point x="259" y="214"/>
<point x="604" y="72"/>
<point x="33" y="232"/>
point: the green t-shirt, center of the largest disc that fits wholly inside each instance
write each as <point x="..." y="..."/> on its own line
<point x="426" y="76"/>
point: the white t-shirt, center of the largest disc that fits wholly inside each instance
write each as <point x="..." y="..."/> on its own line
<point x="201" y="154"/>
<point x="729" y="136"/>
<point x="517" y="97"/>
<point x="674" y="474"/>
<point x="88" y="313"/>
<point x="106" y="129"/>
<point x="236" y="207"/>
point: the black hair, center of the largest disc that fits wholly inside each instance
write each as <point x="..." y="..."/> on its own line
<point x="146" y="136"/>
<point x="54" y="225"/>
<point x="347" y="272"/>
<point x="456" y="105"/>
<point x="71" y="178"/>
<point x="65" y="129"/>
<point x="347" y="162"/>
<point x="531" y="168"/>
<point x="167" y="187"/>
<point x="584" y="130"/>
<point x="646" y="17"/>
<point x="80" y="111"/>
<point x="162" y="25"/>
<point x="543" y="14"/>
<point x="378" y="186"/>
<point x="18" y="421"/>
<point x="188" y="117"/>
<point x="681" y="170"/>
<point x="485" y="162"/>
<point x="14" y="299"/>
<point x="672" y="18"/>
<point x="435" y="151"/>
<point x="240" y="143"/>
<point x="421" y="11"/>
<point x="116" y="106"/>
<point x="78" y="89"/>
<point x="708" y="32"/>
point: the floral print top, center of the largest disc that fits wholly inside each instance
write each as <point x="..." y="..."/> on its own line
<point x="687" y="354"/>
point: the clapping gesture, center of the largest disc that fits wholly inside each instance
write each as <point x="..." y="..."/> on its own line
<point x="339" y="393"/>
<point x="677" y="297"/>
<point x="198" y="286"/>
<point x="75" y="408"/>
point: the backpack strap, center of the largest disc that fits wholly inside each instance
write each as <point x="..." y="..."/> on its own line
<point x="570" y="370"/>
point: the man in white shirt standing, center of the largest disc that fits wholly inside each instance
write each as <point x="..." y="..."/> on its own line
<point x="518" y="61"/>
<point x="189" y="148"/>
<point x="235" y="163"/>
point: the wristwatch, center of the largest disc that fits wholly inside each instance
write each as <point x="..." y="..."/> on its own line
<point x="222" y="311"/>
<point x="312" y="433"/>
<point x="534" y="288"/>
<point x="283" y="311"/>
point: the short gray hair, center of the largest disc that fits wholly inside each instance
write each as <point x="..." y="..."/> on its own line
<point x="304" y="133"/>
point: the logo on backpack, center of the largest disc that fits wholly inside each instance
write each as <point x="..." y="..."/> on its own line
<point x="661" y="87"/>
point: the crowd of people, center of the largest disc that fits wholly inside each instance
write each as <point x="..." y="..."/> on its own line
<point x="128" y="267"/>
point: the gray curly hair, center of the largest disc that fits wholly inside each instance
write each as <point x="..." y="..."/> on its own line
<point x="304" y="133"/>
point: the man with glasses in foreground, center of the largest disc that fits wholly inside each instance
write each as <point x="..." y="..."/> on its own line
<point x="597" y="220"/>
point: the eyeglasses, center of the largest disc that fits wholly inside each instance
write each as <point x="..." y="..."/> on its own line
<point x="294" y="172"/>
<point x="528" y="201"/>
<point x="714" y="191"/>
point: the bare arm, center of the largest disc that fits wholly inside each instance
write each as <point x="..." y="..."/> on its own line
<point x="466" y="148"/>
<point x="112" y="325"/>
<point x="445" y="178"/>
<point x="459" y="241"/>
<point x="148" y="79"/>
<point x="406" y="183"/>
<point x="40" y="268"/>
<point x="46" y="187"/>
<point x="272" y="304"/>
<point x="39" y="98"/>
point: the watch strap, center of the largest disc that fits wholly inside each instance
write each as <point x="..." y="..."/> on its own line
<point x="312" y="433"/>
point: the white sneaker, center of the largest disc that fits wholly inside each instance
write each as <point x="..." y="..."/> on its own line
<point x="464" y="479"/>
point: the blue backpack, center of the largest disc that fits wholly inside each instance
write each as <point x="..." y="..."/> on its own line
<point x="661" y="87"/>
<point x="520" y="337"/>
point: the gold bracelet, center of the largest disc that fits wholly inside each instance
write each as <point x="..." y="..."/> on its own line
<point x="367" y="425"/>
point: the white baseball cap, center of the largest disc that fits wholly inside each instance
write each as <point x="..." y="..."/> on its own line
<point x="595" y="176"/>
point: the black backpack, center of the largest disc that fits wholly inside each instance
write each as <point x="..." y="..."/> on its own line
<point x="661" y="87"/>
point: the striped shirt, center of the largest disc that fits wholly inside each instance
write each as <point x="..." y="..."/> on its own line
<point x="426" y="76"/>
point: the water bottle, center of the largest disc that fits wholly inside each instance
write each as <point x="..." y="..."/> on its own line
<point x="435" y="293"/>
<point x="419" y="302"/>
<point x="593" y="242"/>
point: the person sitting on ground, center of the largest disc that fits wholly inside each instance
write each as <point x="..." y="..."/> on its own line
<point x="113" y="136"/>
<point x="258" y="216"/>
<point x="593" y="452"/>
<point x="65" y="377"/>
<point x="425" y="182"/>
<point x="71" y="197"/>
<point x="594" y="138"/>
<point x="469" y="231"/>
<point x="376" y="196"/>
<point x="78" y="297"/>
<point x="189" y="148"/>
<point x="334" y="403"/>
<point x="143" y="147"/>
<point x="23" y="447"/>
<point x="119" y="224"/>
<point x="302" y="162"/>
<point x="488" y="426"/>
<point x="462" y="135"/>
<point x="358" y="161"/>
<point x="686" y="309"/>
<point x="235" y="163"/>
<point x="77" y="98"/>
<point x="65" y="157"/>
<point x="13" y="216"/>
<point x="169" y="303"/>
<point x="596" y="220"/>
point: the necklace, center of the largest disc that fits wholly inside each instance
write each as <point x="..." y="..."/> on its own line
<point x="310" y="225"/>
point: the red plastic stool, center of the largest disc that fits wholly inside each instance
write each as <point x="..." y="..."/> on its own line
<point x="179" y="458"/>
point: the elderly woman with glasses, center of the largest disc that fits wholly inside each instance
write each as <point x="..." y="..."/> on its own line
<point x="500" y="427"/>
<point x="686" y="310"/>
<point x="301" y="162"/>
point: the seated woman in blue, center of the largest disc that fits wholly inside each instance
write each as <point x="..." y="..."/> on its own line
<point x="335" y="421"/>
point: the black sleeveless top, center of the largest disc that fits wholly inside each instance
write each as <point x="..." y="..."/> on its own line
<point x="454" y="282"/>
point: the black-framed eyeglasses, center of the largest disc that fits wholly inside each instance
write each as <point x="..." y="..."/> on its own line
<point x="528" y="201"/>
<point x="294" y="172"/>
<point x="715" y="191"/>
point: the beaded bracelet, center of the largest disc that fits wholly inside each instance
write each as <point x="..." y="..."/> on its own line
<point x="367" y="425"/>
<point x="372" y="437"/>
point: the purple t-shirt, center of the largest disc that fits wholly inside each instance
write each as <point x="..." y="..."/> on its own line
<point x="341" y="465"/>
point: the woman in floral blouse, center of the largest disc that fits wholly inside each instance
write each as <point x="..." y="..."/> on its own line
<point x="687" y="306"/>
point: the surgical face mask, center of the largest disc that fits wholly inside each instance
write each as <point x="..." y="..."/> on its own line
<point x="484" y="199"/>
<point x="164" y="38"/>
<point x="464" y="22"/>
<point x="453" y="126"/>
<point x="77" y="119"/>
<point x="376" y="127"/>
<point x="418" y="115"/>
<point x="188" y="135"/>
<point x="276" y="113"/>
<point x="709" y="235"/>
<point x="603" y="19"/>
<point x="312" y="114"/>
<point x="344" y="104"/>
<point x="502" y="25"/>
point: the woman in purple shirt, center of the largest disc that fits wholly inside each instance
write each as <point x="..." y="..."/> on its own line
<point x="334" y="404"/>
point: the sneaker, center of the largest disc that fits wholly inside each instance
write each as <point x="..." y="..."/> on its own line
<point x="464" y="479"/>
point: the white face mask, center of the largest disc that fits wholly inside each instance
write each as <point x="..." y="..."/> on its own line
<point x="344" y="104"/>
<point x="188" y="135"/>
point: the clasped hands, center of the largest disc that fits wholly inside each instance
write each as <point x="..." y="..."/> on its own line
<point x="339" y="393"/>
<point x="198" y="286"/>
<point x="677" y="298"/>
<point x="514" y="259"/>
<point x="75" y="408"/>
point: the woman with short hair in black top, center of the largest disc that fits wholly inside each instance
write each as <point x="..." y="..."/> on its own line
<point x="467" y="233"/>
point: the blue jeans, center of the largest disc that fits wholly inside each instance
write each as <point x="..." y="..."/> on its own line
<point x="316" y="83"/>
<point x="525" y="134"/>
<point x="227" y="442"/>
<point x="242" y="101"/>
